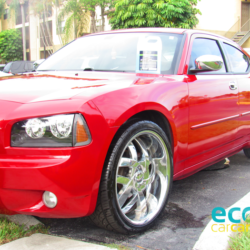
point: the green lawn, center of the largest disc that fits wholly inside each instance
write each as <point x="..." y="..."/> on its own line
<point x="10" y="231"/>
<point x="241" y="241"/>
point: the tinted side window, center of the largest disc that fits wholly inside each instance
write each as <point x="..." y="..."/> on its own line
<point x="239" y="61"/>
<point x="28" y="66"/>
<point x="201" y="47"/>
<point x="7" y="68"/>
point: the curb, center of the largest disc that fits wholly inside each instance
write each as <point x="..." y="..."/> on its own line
<point x="49" y="242"/>
<point x="219" y="240"/>
<point x="22" y="219"/>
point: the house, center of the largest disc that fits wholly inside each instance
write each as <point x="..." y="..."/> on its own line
<point x="229" y="18"/>
<point x="44" y="35"/>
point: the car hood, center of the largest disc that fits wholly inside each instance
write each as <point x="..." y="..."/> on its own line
<point x="5" y="74"/>
<point x="37" y="87"/>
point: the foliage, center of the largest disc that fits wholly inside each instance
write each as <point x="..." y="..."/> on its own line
<point x="77" y="18"/>
<point x="11" y="45"/>
<point x="155" y="13"/>
<point x="241" y="241"/>
<point x="2" y="7"/>
<point x="10" y="231"/>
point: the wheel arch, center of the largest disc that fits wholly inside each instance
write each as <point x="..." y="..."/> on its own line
<point x="154" y="112"/>
<point x="148" y="111"/>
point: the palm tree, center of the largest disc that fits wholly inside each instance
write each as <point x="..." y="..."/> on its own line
<point x="14" y="4"/>
<point x="2" y="8"/>
<point x="77" y="18"/>
<point x="23" y="29"/>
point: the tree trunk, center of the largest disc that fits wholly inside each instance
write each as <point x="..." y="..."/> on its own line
<point x="75" y="28"/>
<point x="50" y="39"/>
<point x="24" y="35"/>
<point x="93" y="22"/>
<point x="103" y="17"/>
<point x="57" y="23"/>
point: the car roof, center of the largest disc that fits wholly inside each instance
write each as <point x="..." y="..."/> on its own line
<point x="161" y="30"/>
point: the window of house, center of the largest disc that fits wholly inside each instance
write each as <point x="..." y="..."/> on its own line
<point x="239" y="61"/>
<point x="60" y="28"/>
<point x="19" y="13"/>
<point x="6" y="14"/>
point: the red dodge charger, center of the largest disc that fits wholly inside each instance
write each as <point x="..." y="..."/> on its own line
<point x="108" y="122"/>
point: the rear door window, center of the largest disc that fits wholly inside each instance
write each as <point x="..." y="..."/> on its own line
<point x="238" y="60"/>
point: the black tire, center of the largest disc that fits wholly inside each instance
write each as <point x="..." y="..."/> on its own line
<point x="144" y="196"/>
<point x="247" y="152"/>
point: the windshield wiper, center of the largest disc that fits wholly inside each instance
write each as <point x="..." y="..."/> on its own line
<point x="107" y="70"/>
<point x="88" y="69"/>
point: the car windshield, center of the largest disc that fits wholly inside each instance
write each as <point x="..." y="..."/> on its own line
<point x="7" y="68"/>
<point x="123" y="52"/>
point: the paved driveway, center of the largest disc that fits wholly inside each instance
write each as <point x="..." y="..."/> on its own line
<point x="185" y="216"/>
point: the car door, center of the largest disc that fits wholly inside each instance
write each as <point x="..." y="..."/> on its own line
<point x="213" y="109"/>
<point x="239" y="63"/>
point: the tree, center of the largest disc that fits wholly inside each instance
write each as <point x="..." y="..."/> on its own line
<point x="42" y="9"/>
<point x="11" y="45"/>
<point x="14" y="5"/>
<point x="90" y="5"/>
<point x="155" y="13"/>
<point x="2" y="7"/>
<point x="77" y="18"/>
<point x="104" y="4"/>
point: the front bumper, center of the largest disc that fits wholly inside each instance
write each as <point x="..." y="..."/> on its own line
<point x="72" y="174"/>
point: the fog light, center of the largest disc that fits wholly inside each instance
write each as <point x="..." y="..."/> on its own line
<point x="49" y="199"/>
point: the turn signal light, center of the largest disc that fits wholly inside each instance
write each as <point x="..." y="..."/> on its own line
<point x="82" y="134"/>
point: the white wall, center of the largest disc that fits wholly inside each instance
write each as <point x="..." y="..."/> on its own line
<point x="98" y="17"/>
<point x="218" y="15"/>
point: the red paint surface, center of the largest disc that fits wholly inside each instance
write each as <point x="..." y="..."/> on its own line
<point x="199" y="110"/>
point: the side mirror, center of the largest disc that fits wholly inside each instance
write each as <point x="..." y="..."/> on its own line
<point x="208" y="63"/>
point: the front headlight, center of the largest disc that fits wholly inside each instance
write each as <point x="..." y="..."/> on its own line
<point x="53" y="131"/>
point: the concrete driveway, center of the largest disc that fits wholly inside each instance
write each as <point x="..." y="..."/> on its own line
<point x="185" y="216"/>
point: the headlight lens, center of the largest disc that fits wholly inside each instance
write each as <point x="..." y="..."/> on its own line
<point x="35" y="128"/>
<point x="54" y="131"/>
<point x="61" y="126"/>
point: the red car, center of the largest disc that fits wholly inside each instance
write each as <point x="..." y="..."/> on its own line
<point x="108" y="122"/>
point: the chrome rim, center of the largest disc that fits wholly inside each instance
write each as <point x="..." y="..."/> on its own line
<point x="143" y="177"/>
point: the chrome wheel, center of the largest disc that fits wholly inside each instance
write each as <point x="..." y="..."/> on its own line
<point x="143" y="178"/>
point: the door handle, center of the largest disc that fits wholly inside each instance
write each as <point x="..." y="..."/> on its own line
<point x="233" y="85"/>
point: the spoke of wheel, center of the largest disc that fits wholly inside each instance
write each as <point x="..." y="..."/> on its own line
<point x="152" y="203"/>
<point x="153" y="147"/>
<point x="126" y="162"/>
<point x="160" y="165"/>
<point x="122" y="180"/>
<point x="143" y="149"/>
<point x="124" y="195"/>
<point x="145" y="161"/>
<point x="148" y="190"/>
<point x="141" y="210"/>
<point x="162" y="180"/>
<point x="130" y="204"/>
<point x="132" y="151"/>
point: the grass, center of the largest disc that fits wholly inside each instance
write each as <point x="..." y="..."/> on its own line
<point x="10" y="231"/>
<point x="116" y="246"/>
<point x="241" y="241"/>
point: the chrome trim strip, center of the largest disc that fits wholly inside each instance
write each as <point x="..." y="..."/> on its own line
<point x="215" y="121"/>
<point x="246" y="113"/>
